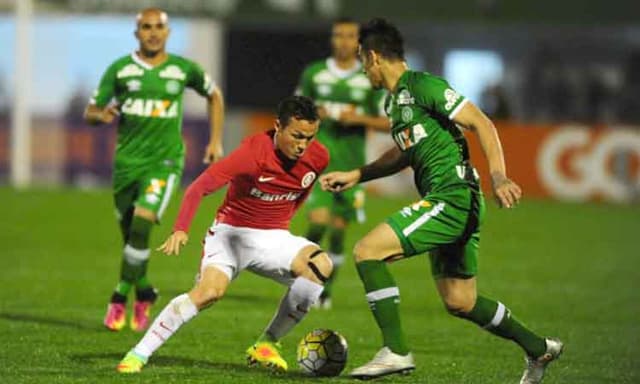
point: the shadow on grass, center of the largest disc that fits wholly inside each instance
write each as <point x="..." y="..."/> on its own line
<point x="45" y="320"/>
<point x="187" y="362"/>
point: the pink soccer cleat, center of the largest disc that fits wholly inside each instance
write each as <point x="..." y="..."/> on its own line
<point x="115" y="318"/>
<point x="140" y="318"/>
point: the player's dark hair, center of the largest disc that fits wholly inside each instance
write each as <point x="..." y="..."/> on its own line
<point x="382" y="37"/>
<point x="300" y="107"/>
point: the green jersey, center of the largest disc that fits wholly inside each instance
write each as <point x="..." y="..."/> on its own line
<point x="421" y="110"/>
<point x="150" y="103"/>
<point x="338" y="90"/>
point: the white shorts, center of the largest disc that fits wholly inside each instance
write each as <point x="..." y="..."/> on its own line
<point x="266" y="252"/>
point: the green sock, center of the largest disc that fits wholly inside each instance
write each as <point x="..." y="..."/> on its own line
<point x="336" y="247"/>
<point x="123" y="288"/>
<point x="384" y="297"/>
<point x="315" y="232"/>
<point x="136" y="256"/>
<point x="497" y="319"/>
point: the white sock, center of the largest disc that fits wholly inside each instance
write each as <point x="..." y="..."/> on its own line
<point x="294" y="306"/>
<point x="337" y="259"/>
<point x="179" y="310"/>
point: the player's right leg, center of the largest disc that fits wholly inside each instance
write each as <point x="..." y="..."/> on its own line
<point x="371" y="254"/>
<point x="115" y="318"/>
<point x="310" y="267"/>
<point x="209" y="289"/>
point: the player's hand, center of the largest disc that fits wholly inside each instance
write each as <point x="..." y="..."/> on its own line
<point x="213" y="153"/>
<point x="339" y="181"/>
<point x="108" y="114"/>
<point x="173" y="244"/>
<point x="506" y="192"/>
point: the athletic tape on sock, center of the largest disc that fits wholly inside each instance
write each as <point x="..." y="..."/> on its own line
<point x="497" y="318"/>
<point x="382" y="294"/>
<point x="135" y="256"/>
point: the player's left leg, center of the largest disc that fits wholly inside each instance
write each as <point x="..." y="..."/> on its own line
<point x="454" y="268"/>
<point x="209" y="289"/>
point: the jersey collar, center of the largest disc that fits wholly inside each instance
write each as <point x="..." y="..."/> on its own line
<point x="339" y="72"/>
<point x="143" y="64"/>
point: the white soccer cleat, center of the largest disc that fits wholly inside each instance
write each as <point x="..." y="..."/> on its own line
<point x="384" y="363"/>
<point x="534" y="372"/>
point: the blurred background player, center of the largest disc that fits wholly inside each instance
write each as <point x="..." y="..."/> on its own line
<point x="145" y="90"/>
<point x="269" y="177"/>
<point x="426" y="114"/>
<point x="348" y="106"/>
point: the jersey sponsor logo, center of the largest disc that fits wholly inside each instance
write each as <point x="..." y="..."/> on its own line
<point x="451" y="97"/>
<point x="172" y="72"/>
<point x="264" y="196"/>
<point x="308" y="179"/>
<point x="130" y="70"/>
<point x="150" y="108"/>
<point x="409" y="137"/>
<point x="335" y="109"/>
<point x="172" y="87"/>
<point x="264" y="179"/>
<point x="405" y="98"/>
<point x="134" y="85"/>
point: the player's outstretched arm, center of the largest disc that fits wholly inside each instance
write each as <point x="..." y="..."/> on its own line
<point x="215" y="150"/>
<point x="392" y="161"/>
<point x="173" y="244"/>
<point x="507" y="192"/>
<point x="96" y="115"/>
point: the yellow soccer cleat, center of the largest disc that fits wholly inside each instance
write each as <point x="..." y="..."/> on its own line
<point x="131" y="363"/>
<point x="266" y="354"/>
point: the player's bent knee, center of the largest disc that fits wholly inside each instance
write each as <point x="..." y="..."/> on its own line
<point x="458" y="304"/>
<point x="319" y="267"/>
<point x="205" y="295"/>
<point x="363" y="250"/>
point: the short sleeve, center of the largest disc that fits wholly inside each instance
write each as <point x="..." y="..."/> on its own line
<point x="436" y="95"/>
<point x="106" y="88"/>
<point x="199" y="80"/>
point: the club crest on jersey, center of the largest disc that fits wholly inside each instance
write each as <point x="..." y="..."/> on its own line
<point x="407" y="114"/>
<point x="130" y="70"/>
<point x="405" y="98"/>
<point x="134" y="85"/>
<point x="172" y="72"/>
<point x="172" y="87"/>
<point x="308" y="179"/>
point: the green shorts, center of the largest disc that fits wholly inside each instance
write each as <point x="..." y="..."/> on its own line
<point x="348" y="205"/>
<point x="447" y="225"/>
<point x="152" y="191"/>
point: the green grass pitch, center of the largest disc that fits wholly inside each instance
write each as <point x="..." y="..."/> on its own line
<point x="567" y="270"/>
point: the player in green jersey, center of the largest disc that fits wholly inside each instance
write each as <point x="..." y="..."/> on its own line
<point x="425" y="114"/>
<point x="348" y="106"/>
<point x="145" y="90"/>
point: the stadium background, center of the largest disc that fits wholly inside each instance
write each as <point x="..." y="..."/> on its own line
<point x="560" y="79"/>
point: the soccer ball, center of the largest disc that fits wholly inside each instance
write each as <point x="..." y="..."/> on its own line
<point x="322" y="352"/>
